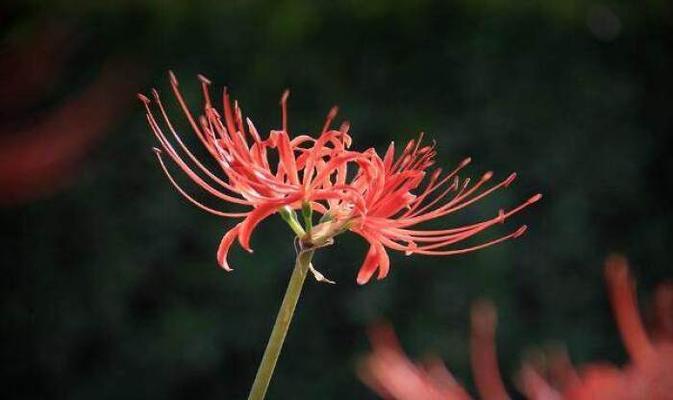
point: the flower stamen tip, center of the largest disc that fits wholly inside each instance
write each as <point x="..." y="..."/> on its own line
<point x="143" y="98"/>
<point x="203" y="79"/>
<point x="509" y="179"/>
<point x="535" y="198"/>
<point x="520" y="231"/>
<point x="174" y="80"/>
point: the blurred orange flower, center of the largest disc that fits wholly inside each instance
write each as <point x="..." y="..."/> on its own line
<point x="647" y="376"/>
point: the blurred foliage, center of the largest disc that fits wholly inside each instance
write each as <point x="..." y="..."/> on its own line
<point x="111" y="290"/>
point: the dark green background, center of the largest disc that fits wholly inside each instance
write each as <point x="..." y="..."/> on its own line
<point x="110" y="288"/>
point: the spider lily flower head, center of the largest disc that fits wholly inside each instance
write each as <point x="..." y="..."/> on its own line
<point x="551" y="377"/>
<point x="246" y="177"/>
<point x="404" y="194"/>
<point x="382" y="199"/>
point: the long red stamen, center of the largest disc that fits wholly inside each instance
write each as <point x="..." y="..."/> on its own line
<point x="190" y="198"/>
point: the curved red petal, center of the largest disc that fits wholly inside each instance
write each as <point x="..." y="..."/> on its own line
<point x="369" y="265"/>
<point x="251" y="221"/>
<point x="384" y="261"/>
<point x="258" y="215"/>
<point x="225" y="245"/>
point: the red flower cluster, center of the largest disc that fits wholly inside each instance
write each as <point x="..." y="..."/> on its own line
<point x="383" y="199"/>
<point x="648" y="376"/>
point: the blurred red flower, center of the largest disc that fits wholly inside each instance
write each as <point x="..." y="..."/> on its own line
<point x="358" y="191"/>
<point x="41" y="149"/>
<point x="389" y="372"/>
<point x="648" y="375"/>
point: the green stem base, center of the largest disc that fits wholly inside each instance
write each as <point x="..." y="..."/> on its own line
<point x="281" y="326"/>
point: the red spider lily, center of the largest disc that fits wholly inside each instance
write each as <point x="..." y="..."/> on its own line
<point x="404" y="195"/>
<point x="648" y="376"/>
<point x="302" y="175"/>
<point x="376" y="202"/>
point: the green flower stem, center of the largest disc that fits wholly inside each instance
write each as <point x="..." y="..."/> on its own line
<point x="307" y="213"/>
<point x="283" y="319"/>
<point x="290" y="217"/>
